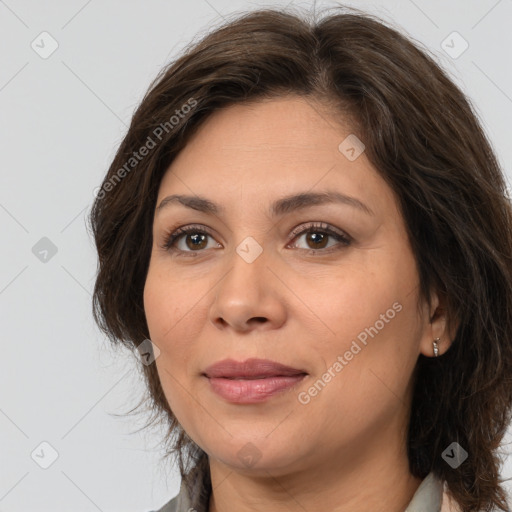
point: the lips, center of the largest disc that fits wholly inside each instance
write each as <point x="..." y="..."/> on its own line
<point x="251" y="369"/>
<point x="251" y="381"/>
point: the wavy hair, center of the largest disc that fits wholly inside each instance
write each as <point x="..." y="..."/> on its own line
<point x="422" y="135"/>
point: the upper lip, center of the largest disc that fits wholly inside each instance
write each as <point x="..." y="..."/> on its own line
<point x="229" y="368"/>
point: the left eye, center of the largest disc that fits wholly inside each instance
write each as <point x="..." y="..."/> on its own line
<point x="318" y="235"/>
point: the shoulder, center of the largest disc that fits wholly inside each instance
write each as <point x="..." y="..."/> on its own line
<point x="448" y="503"/>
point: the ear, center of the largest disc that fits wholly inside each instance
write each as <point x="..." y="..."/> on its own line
<point x="437" y="324"/>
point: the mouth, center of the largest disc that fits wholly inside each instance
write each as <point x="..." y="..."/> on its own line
<point x="251" y="381"/>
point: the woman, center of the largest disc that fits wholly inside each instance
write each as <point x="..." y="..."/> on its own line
<point x="308" y="237"/>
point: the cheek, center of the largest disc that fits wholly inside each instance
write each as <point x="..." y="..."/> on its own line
<point x="355" y="301"/>
<point x="167" y="303"/>
<point x="175" y="315"/>
<point x="374" y="329"/>
<point x="363" y="384"/>
<point x="167" y="306"/>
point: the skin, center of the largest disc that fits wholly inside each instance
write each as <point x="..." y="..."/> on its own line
<point x="346" y="448"/>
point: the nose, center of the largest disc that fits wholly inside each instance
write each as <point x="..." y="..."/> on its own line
<point x="249" y="295"/>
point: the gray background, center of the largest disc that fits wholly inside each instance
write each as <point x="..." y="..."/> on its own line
<point x="62" y="118"/>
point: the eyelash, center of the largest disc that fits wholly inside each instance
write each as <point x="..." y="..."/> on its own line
<point x="316" y="227"/>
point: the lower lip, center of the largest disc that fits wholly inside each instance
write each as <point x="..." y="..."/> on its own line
<point x="243" y="391"/>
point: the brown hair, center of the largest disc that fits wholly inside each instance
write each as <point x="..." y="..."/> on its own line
<point x="422" y="134"/>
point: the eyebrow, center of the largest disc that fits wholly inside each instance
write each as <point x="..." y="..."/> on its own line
<point x="278" y="208"/>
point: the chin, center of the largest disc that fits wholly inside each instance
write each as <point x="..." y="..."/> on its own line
<point x="258" y="456"/>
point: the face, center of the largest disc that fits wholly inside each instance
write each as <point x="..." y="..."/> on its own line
<point x="326" y="287"/>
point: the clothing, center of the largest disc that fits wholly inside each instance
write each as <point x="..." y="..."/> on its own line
<point x="429" y="497"/>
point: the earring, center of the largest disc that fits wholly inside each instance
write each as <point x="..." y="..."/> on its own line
<point x="436" y="347"/>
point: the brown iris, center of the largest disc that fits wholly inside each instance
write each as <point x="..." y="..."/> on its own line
<point x="317" y="238"/>
<point x="197" y="239"/>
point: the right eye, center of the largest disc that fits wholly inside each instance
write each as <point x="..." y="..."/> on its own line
<point x="194" y="237"/>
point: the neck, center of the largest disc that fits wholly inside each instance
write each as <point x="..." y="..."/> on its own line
<point x="380" y="484"/>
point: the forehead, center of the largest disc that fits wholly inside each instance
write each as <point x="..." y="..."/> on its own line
<point x="271" y="148"/>
<point x="292" y="128"/>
